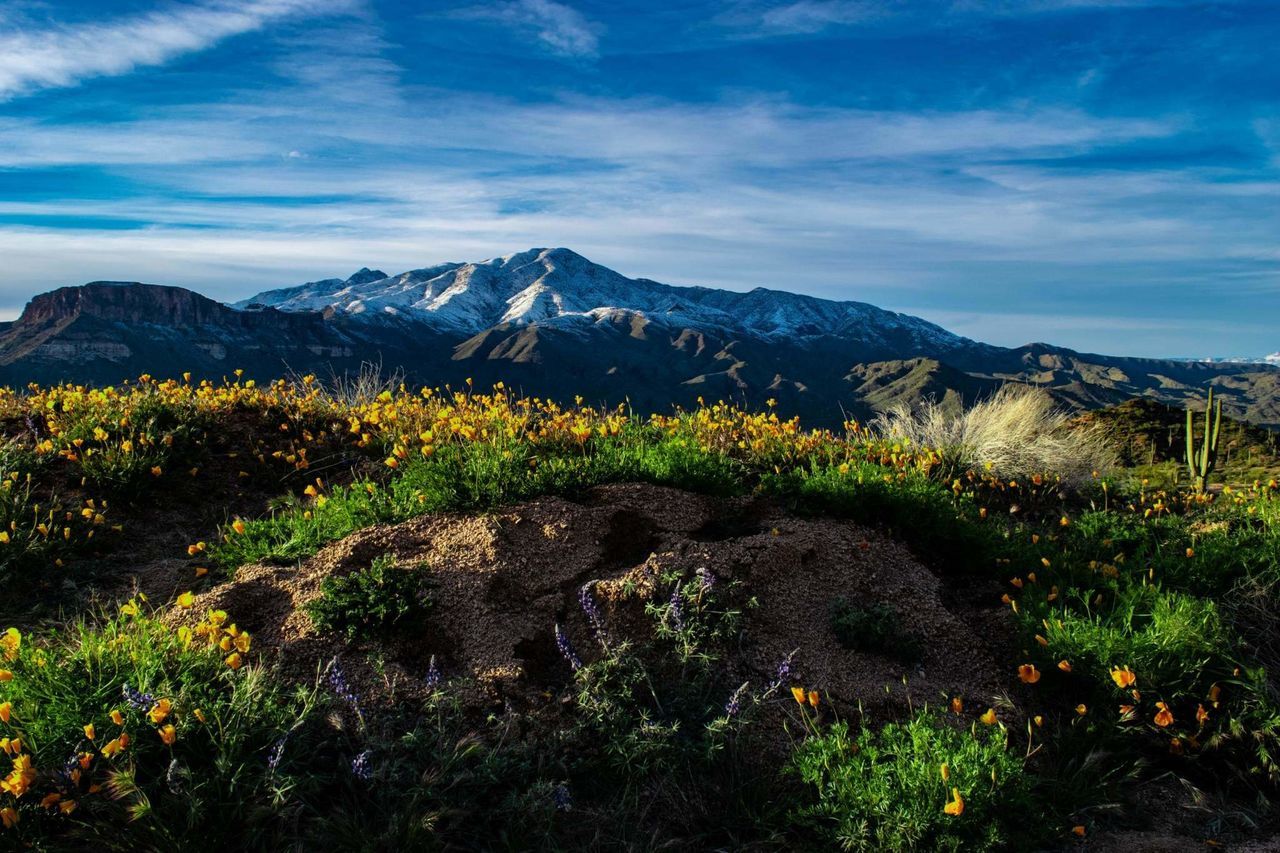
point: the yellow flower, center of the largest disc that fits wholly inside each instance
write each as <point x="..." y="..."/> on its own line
<point x="6" y="675"/>
<point x="186" y="599"/>
<point x="946" y="772"/>
<point x="1065" y="666"/>
<point x="1028" y="673"/>
<point x="813" y="698"/>
<point x="9" y="816"/>
<point x="168" y="734"/>
<point x="237" y="526"/>
<point x="6" y="711"/>
<point x="10" y="642"/>
<point x="1082" y="709"/>
<point x="955" y="808"/>
<point x="1164" y="717"/>
<point x="798" y="693"/>
<point x="90" y="732"/>
<point x="957" y="705"/>
<point x="160" y="710"/>
<point x="199" y="715"/>
<point x="117" y="717"/>
<point x="989" y="718"/>
<point x="233" y="660"/>
<point x="1123" y="677"/>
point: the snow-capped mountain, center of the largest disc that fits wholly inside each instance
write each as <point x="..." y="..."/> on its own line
<point x="562" y="289"/>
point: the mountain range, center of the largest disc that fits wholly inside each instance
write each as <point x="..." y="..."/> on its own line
<point x="552" y="323"/>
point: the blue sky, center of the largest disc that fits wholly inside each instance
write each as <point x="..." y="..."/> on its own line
<point x="1102" y="174"/>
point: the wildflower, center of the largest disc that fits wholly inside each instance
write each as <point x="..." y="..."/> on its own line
<point x="1064" y="665"/>
<point x="567" y="650"/>
<point x="1028" y="673"/>
<point x="361" y="768"/>
<point x="955" y="808"/>
<point x="675" y="615"/>
<point x="706" y="579"/>
<point x="136" y="698"/>
<point x="433" y="675"/>
<point x="1123" y="677"/>
<point x="782" y="675"/>
<point x="338" y="684"/>
<point x="199" y="715"/>
<point x="90" y="732"/>
<point x="1201" y="715"/>
<point x="10" y="642"/>
<point x="813" y="698"/>
<point x="160" y="711"/>
<point x="237" y="526"/>
<point x="186" y="600"/>
<point x="117" y="717"/>
<point x="799" y="695"/>
<point x="234" y="660"/>
<point x="957" y="705"/>
<point x="592" y="611"/>
<point x="168" y="734"/>
<point x="946" y="773"/>
<point x="1078" y="830"/>
<point x="9" y="816"/>
<point x="277" y="752"/>
<point x="1082" y="709"/>
<point x="1163" y="717"/>
<point x="734" y="705"/>
<point x="989" y="718"/>
<point x="6" y="675"/>
<point x="6" y="711"/>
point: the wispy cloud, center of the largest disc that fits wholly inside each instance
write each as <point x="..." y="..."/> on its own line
<point x="33" y="59"/>
<point x="561" y="28"/>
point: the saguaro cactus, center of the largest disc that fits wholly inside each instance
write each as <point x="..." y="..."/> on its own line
<point x="1202" y="461"/>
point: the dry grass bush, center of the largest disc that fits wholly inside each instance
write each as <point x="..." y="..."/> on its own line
<point x="1016" y="431"/>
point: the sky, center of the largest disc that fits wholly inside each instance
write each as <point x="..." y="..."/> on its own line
<point x="1099" y="174"/>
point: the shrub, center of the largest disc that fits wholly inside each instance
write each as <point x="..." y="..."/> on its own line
<point x="376" y="601"/>
<point x="1018" y="430"/>
<point x="885" y="790"/>
<point x="874" y="629"/>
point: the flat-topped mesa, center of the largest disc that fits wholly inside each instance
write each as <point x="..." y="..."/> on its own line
<point x="134" y="303"/>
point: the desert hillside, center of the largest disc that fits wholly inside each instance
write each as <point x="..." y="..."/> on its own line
<point x="378" y="617"/>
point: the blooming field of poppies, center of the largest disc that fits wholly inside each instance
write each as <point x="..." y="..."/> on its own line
<point x="1138" y="637"/>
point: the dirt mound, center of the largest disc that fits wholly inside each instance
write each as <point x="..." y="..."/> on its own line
<point x="499" y="581"/>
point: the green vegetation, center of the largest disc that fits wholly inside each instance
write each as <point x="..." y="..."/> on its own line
<point x="873" y="629"/>
<point x="372" y="602"/>
<point x="1141" y="638"/>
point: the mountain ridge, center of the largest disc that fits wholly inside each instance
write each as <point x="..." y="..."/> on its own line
<point x="555" y="324"/>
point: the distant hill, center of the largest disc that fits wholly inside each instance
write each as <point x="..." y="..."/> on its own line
<point x="552" y="323"/>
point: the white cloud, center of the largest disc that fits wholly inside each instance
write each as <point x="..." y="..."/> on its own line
<point x="561" y="28"/>
<point x="66" y="55"/>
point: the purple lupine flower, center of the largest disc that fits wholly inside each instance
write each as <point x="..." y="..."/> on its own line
<point x="276" y="753"/>
<point x="734" y="705"/>
<point x="562" y="798"/>
<point x="136" y="698"/>
<point x="676" y="614"/>
<point x="338" y="684"/>
<point x="566" y="649"/>
<point x="783" y="674"/>
<point x="706" y="579"/>
<point x="592" y="611"/>
<point x="361" y="768"/>
<point x="433" y="675"/>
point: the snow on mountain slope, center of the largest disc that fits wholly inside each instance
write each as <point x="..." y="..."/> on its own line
<point x="559" y="287"/>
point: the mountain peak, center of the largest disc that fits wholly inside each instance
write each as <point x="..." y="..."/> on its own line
<point x="366" y="275"/>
